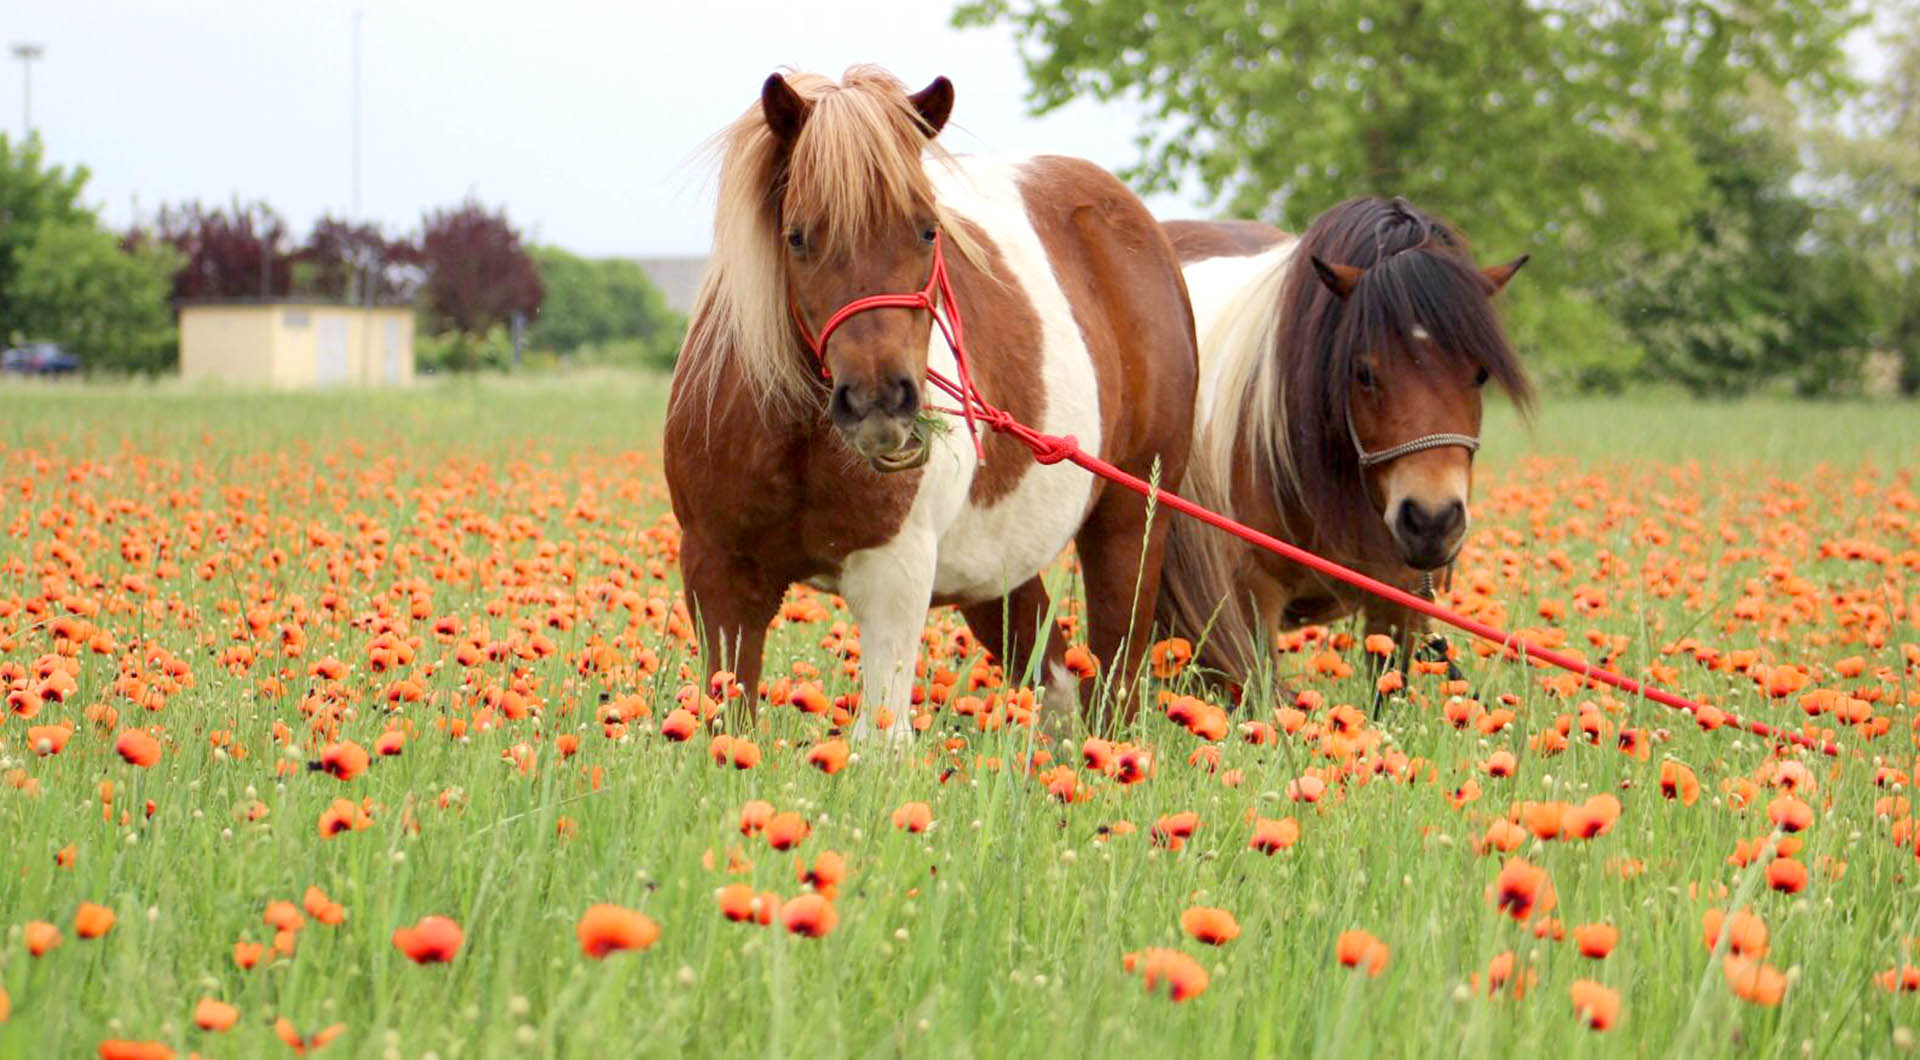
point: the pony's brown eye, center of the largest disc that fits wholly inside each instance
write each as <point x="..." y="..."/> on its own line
<point x="1364" y="376"/>
<point x="1480" y="376"/>
<point x="796" y="240"/>
<point x="928" y="233"/>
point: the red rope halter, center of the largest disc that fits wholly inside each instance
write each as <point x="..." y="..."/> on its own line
<point x="1051" y="449"/>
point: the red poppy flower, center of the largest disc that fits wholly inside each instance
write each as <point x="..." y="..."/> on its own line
<point x="604" y="928"/>
<point x="1215" y="927"/>
<point x="433" y="940"/>
<point x="215" y="1015"/>
<point x="1182" y="976"/>
<point x="1597" y="1006"/>
<point x="810" y="915"/>
<point x="92" y="921"/>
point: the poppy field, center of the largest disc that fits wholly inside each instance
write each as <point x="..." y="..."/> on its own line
<point x="369" y="724"/>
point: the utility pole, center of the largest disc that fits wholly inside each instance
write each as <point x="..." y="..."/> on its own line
<point x="27" y="53"/>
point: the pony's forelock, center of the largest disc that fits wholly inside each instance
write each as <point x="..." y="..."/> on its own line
<point x="857" y="165"/>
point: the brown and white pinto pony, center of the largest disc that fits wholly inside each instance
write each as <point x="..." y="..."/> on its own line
<point x="1339" y="409"/>
<point x="849" y="478"/>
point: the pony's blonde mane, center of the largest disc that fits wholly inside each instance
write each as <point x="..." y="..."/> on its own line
<point x="1242" y="397"/>
<point x="859" y="163"/>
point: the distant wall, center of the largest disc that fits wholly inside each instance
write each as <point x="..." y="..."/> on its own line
<point x="677" y="278"/>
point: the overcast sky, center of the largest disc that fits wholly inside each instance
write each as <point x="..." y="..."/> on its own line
<point x="584" y="120"/>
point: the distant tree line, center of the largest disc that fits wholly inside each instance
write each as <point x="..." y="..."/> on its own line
<point x="1710" y="198"/>
<point x="109" y="297"/>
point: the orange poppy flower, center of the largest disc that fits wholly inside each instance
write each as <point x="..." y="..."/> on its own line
<point x="1786" y="875"/>
<point x="1747" y="933"/>
<point x="1271" y="836"/>
<point x="1521" y="890"/>
<point x="604" y="928"/>
<point x="1173" y="830"/>
<point x="1594" y="817"/>
<point x="1678" y="782"/>
<point x="212" y="1014"/>
<point x="247" y="954"/>
<point x="121" y="1049"/>
<point x="1596" y="940"/>
<point x="1754" y="981"/>
<point x="1904" y="979"/>
<point x="1215" y="927"/>
<point x="343" y="815"/>
<point x="787" y="830"/>
<point x="828" y="756"/>
<point x="679" y="725"/>
<point x="344" y="760"/>
<point x="1500" y="763"/>
<point x="1359" y="949"/>
<point x="1544" y="819"/>
<point x="1597" y="1006"/>
<point x="1501" y="975"/>
<point x="41" y="937"/>
<point x="321" y="908"/>
<point x="809" y="915"/>
<point x="390" y="743"/>
<point x="1789" y="814"/>
<point x="739" y="904"/>
<point x="1182" y="976"/>
<point x="754" y="816"/>
<point x="1306" y="788"/>
<point x="1501" y="835"/>
<point x="825" y="875"/>
<point x="913" y="816"/>
<point x="284" y="1029"/>
<point x="1170" y="656"/>
<point x="48" y="739"/>
<point x="432" y="940"/>
<point x="91" y="921"/>
<point x="138" y="746"/>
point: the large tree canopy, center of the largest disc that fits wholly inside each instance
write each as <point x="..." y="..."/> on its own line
<point x="1563" y="127"/>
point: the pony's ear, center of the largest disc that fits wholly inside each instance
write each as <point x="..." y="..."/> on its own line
<point x="1340" y="279"/>
<point x="935" y="104"/>
<point x="785" y="110"/>
<point x="1498" y="275"/>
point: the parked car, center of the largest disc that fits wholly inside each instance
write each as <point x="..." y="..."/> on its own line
<point x="38" y="358"/>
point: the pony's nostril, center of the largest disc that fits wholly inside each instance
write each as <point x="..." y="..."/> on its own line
<point x="907" y="397"/>
<point x="1452" y="518"/>
<point x="843" y="408"/>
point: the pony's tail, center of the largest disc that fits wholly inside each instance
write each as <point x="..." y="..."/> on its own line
<point x="1202" y="595"/>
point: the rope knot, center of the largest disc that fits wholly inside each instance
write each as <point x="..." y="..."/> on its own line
<point x="1051" y="449"/>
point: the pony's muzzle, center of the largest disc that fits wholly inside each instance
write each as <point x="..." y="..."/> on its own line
<point x="881" y="422"/>
<point x="1429" y="535"/>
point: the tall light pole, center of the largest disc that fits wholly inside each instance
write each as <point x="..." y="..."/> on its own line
<point x="27" y="53"/>
<point x="357" y="16"/>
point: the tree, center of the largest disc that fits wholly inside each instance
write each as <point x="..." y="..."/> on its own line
<point x="1755" y="294"/>
<point x="604" y="304"/>
<point x="30" y="194"/>
<point x="478" y="274"/>
<point x="1558" y="127"/>
<point x="1872" y="176"/>
<point x="338" y="253"/>
<point x="239" y="252"/>
<point x="108" y="306"/>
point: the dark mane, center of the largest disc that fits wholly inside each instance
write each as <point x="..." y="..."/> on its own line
<point x="1417" y="272"/>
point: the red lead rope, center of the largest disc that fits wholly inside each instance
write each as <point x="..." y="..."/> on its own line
<point x="1051" y="449"/>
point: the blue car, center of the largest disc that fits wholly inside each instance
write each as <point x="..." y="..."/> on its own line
<point x="39" y="358"/>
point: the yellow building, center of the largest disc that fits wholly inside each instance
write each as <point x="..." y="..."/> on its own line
<point x="296" y="344"/>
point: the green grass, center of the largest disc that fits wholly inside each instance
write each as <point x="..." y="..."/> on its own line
<point x="999" y="932"/>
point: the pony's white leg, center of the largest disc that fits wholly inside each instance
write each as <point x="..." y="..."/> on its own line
<point x="889" y="589"/>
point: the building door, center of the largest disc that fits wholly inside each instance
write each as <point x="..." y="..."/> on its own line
<point x="390" y="350"/>
<point x="330" y="351"/>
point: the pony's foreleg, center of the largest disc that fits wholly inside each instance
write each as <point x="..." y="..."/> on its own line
<point x="888" y="589"/>
<point x="732" y="601"/>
